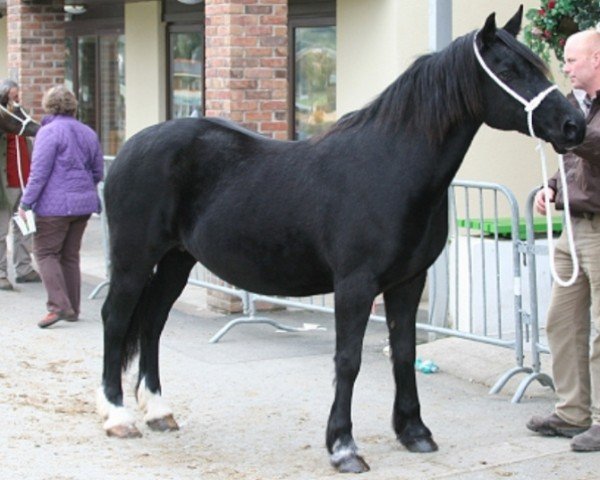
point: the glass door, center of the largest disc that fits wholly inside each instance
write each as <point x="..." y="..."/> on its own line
<point x="95" y="71"/>
<point x="112" y="92"/>
<point x="86" y="85"/>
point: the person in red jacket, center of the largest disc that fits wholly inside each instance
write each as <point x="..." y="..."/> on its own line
<point x="10" y="194"/>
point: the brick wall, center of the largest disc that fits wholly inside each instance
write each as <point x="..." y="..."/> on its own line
<point x="36" y="49"/>
<point x="246" y="63"/>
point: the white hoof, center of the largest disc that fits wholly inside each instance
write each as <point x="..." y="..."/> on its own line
<point x="119" y="421"/>
<point x="152" y="404"/>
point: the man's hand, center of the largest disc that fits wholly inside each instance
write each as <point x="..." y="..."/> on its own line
<point x="540" y="199"/>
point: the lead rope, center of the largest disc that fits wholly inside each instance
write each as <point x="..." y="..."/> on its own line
<point x="19" y="166"/>
<point x="530" y="106"/>
<point x="24" y="123"/>
<point x="568" y="229"/>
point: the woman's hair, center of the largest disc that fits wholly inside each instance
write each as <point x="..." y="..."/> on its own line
<point x="59" y="100"/>
<point x="5" y="87"/>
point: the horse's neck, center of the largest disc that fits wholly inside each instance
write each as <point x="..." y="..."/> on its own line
<point x="450" y="154"/>
<point x="395" y="155"/>
<point x="416" y="152"/>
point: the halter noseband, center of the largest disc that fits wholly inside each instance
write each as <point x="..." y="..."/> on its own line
<point x="530" y="105"/>
<point x="24" y="121"/>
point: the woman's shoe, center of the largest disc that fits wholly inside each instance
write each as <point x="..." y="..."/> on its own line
<point x="52" y="317"/>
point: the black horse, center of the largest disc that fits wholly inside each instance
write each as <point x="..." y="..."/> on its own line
<point x="358" y="211"/>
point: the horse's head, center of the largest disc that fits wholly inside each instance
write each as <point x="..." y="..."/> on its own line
<point x="14" y="119"/>
<point x="515" y="82"/>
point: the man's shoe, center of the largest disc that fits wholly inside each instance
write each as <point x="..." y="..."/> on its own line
<point x="5" y="284"/>
<point x="31" y="277"/>
<point x="554" y="426"/>
<point x="588" y="441"/>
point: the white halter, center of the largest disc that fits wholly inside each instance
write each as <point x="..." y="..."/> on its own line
<point x="530" y="106"/>
<point x="24" y="121"/>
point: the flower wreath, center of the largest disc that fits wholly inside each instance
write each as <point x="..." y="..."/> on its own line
<point x="555" y="20"/>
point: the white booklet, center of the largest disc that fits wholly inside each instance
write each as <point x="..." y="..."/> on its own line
<point x="26" y="226"/>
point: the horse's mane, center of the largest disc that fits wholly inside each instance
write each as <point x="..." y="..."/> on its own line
<point x="437" y="92"/>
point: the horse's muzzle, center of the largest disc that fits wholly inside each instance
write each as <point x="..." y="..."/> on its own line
<point x="572" y="134"/>
<point x="574" y="131"/>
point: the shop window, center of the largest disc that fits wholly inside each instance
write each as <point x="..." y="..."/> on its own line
<point x="314" y="79"/>
<point x="186" y="71"/>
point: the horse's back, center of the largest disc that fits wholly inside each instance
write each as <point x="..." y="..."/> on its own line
<point x="206" y="184"/>
<point x="151" y="146"/>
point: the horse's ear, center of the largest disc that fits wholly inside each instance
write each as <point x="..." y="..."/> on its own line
<point x="488" y="32"/>
<point x="513" y="26"/>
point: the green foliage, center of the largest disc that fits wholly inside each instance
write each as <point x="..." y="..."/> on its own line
<point x="551" y="24"/>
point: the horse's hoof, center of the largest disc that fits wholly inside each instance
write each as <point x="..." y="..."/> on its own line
<point x="164" y="424"/>
<point x="420" y="445"/>
<point x="351" y="464"/>
<point x="124" y="431"/>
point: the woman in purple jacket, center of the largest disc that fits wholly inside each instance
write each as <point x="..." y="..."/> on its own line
<point x="66" y="167"/>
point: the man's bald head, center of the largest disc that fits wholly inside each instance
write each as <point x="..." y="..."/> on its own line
<point x="582" y="61"/>
<point x="588" y="40"/>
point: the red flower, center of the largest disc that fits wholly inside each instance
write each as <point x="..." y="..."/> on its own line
<point x="551" y="4"/>
<point x="561" y="42"/>
<point x="541" y="12"/>
<point x="547" y="34"/>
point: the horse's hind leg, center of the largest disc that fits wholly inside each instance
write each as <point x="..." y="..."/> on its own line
<point x="401" y="304"/>
<point x="353" y="301"/>
<point x="120" y="341"/>
<point x="159" y="295"/>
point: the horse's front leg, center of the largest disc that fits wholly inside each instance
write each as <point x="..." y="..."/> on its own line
<point x="353" y="301"/>
<point x="158" y="298"/>
<point x="401" y="304"/>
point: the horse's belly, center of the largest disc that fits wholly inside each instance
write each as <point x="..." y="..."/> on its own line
<point x="274" y="281"/>
<point x="270" y="274"/>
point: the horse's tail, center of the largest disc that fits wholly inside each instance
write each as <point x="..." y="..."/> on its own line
<point x="131" y="346"/>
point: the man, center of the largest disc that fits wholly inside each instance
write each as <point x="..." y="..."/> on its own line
<point x="576" y="369"/>
<point x="10" y="194"/>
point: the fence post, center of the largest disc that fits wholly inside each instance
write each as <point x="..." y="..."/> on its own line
<point x="536" y="348"/>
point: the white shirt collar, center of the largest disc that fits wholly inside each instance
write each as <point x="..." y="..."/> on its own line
<point x="581" y="96"/>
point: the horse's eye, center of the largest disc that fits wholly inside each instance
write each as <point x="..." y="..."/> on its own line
<point x="505" y="75"/>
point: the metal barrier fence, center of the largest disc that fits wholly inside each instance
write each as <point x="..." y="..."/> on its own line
<point x="475" y="288"/>
<point x="485" y="291"/>
<point x="104" y="225"/>
<point x="531" y="319"/>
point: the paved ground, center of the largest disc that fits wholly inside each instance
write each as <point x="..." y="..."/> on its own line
<point x="255" y="405"/>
